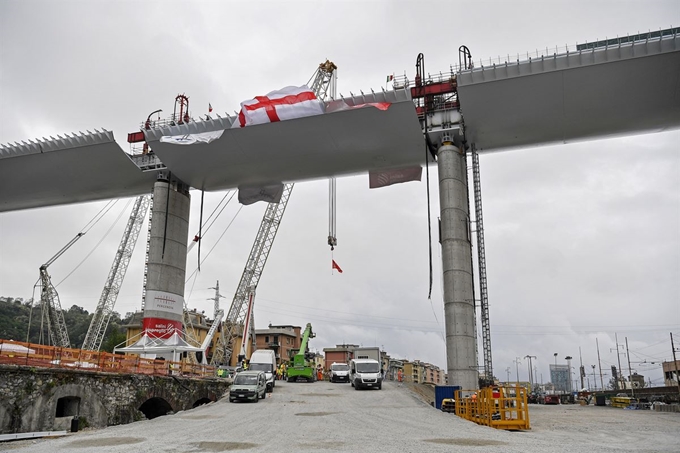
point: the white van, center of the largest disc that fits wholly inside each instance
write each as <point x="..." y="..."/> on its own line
<point x="365" y="373"/>
<point x="339" y="372"/>
<point x="264" y="360"/>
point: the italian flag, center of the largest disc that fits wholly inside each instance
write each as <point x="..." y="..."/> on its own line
<point x="389" y="78"/>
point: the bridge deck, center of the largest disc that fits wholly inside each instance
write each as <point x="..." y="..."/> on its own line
<point x="627" y="89"/>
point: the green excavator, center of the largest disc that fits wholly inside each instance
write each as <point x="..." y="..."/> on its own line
<point x="301" y="366"/>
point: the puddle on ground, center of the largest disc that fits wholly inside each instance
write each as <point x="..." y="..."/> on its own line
<point x="105" y="442"/>
<point x="198" y="417"/>
<point x="320" y="394"/>
<point x="333" y="445"/>
<point x="224" y="446"/>
<point x="466" y="442"/>
<point x="315" y="414"/>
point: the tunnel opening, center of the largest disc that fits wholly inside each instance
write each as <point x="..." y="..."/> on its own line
<point x="202" y="401"/>
<point x="155" y="407"/>
<point x="67" y="406"/>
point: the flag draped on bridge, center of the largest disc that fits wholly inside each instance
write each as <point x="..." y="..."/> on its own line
<point x="280" y="105"/>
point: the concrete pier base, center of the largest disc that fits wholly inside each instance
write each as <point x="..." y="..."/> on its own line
<point x="459" y="310"/>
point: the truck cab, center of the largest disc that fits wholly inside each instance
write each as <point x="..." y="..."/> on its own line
<point x="365" y="373"/>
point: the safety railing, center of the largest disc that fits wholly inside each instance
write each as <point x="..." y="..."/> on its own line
<point x="42" y="356"/>
<point x="497" y="407"/>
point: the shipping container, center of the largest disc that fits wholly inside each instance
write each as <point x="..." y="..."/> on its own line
<point x="443" y="391"/>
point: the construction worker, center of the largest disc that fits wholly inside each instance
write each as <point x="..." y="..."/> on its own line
<point x="400" y="375"/>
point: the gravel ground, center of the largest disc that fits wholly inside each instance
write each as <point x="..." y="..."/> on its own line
<point x="321" y="416"/>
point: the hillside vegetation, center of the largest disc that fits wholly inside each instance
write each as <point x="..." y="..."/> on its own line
<point x="16" y="313"/>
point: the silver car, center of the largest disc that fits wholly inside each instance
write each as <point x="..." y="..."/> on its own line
<point x="248" y="386"/>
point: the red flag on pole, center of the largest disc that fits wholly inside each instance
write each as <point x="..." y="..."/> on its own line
<point x="209" y="108"/>
<point x="336" y="267"/>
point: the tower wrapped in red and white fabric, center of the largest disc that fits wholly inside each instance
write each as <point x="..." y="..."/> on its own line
<point x="280" y="105"/>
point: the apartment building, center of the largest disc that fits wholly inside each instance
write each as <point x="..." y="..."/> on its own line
<point x="280" y="339"/>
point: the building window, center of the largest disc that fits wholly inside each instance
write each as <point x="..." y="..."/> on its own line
<point x="266" y="339"/>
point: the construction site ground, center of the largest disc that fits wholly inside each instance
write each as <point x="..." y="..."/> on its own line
<point x="322" y="417"/>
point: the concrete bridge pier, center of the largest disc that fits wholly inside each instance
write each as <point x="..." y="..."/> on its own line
<point x="166" y="270"/>
<point x="459" y="310"/>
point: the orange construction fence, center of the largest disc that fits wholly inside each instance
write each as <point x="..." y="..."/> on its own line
<point x="37" y="355"/>
<point x="497" y="407"/>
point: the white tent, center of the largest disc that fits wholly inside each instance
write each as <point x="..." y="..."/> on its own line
<point x="147" y="345"/>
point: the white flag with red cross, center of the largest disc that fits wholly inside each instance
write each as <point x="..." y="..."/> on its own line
<point x="280" y="105"/>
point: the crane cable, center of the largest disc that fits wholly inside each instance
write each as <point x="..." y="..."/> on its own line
<point x="420" y="74"/>
<point x="107" y="207"/>
<point x="217" y="242"/>
<point x="98" y="243"/>
<point x="199" y="236"/>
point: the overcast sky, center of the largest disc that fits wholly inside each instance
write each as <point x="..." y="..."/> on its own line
<point x="582" y="240"/>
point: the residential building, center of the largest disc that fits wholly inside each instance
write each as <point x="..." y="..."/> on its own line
<point x="280" y="339"/>
<point x="341" y="353"/>
<point x="413" y="371"/>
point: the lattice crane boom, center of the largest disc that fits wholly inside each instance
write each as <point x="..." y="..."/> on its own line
<point x="50" y="306"/>
<point x="107" y="301"/>
<point x="251" y="275"/>
<point x="322" y="84"/>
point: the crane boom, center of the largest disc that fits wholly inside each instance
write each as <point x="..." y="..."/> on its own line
<point x="52" y="317"/>
<point x="301" y="365"/>
<point x="102" y="315"/>
<point x="322" y="84"/>
<point x="251" y="275"/>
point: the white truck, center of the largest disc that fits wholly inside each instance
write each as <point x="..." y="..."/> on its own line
<point x="365" y="373"/>
<point x="264" y="360"/>
<point x="367" y="352"/>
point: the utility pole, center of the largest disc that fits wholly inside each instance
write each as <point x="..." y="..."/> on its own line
<point x="531" y="372"/>
<point x="507" y="370"/>
<point x="675" y="362"/>
<point x="630" y="373"/>
<point x="517" y="360"/>
<point x="599" y="363"/>
<point x="580" y="370"/>
<point x="618" y="357"/>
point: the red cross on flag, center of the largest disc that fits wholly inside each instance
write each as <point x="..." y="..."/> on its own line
<point x="280" y="105"/>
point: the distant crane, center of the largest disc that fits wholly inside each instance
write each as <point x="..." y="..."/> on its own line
<point x="322" y="82"/>
<point x="52" y="317"/>
<point x="107" y="301"/>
